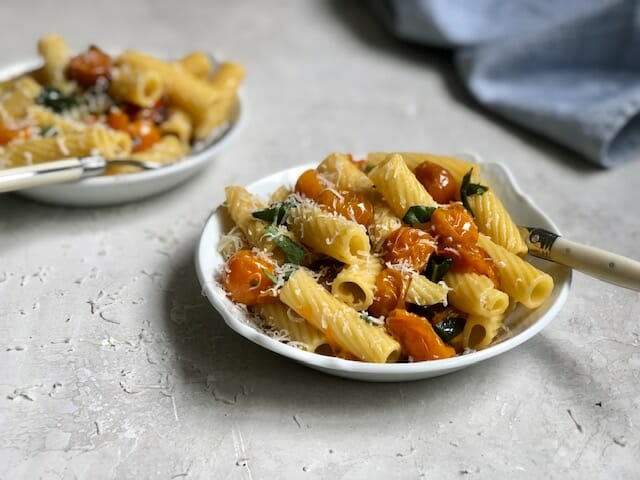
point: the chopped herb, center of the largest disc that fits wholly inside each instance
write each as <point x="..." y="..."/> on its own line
<point x="55" y="100"/>
<point x="270" y="276"/>
<point x="276" y="213"/>
<point x="437" y="268"/>
<point x="449" y="328"/>
<point x="49" y="131"/>
<point x="418" y="214"/>
<point x="293" y="252"/>
<point x="369" y="319"/>
<point x="467" y="189"/>
<point x="368" y="168"/>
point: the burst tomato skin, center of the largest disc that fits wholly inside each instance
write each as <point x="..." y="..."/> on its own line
<point x="89" y="66"/>
<point x="438" y="181"/>
<point x="417" y="337"/>
<point x="389" y="292"/>
<point x="454" y="224"/>
<point x="471" y="259"/>
<point x="457" y="236"/>
<point x="409" y="246"/>
<point x="245" y="280"/>
<point x="351" y="205"/>
<point x="144" y="134"/>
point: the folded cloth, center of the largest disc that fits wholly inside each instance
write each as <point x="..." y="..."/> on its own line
<point x="569" y="70"/>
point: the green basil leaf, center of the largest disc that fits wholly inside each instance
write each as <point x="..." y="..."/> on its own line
<point x="293" y="252"/>
<point x="276" y="213"/>
<point x="270" y="276"/>
<point x="56" y="100"/>
<point x="449" y="328"/>
<point x="467" y="188"/>
<point x="418" y="214"/>
<point x="370" y="319"/>
<point x="437" y="268"/>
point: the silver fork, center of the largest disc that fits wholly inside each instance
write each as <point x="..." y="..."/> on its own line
<point x="59" y="171"/>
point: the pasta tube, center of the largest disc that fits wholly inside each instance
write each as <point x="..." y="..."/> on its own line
<point x="339" y="322"/>
<point x="399" y="187"/>
<point x="285" y="320"/>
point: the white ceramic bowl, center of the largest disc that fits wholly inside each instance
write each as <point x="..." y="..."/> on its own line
<point x="117" y="189"/>
<point x="522" y="324"/>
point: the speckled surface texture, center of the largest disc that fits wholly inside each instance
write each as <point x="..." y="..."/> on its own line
<point x="112" y="364"/>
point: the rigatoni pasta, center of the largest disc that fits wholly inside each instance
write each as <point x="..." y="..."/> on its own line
<point x="382" y="258"/>
<point x="165" y="109"/>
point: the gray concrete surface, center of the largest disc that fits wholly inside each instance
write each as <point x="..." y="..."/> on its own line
<point x="112" y="365"/>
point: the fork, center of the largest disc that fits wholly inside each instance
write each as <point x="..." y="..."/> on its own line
<point x="59" y="171"/>
<point x="598" y="263"/>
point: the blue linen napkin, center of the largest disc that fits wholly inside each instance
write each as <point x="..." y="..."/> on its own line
<point x="569" y="70"/>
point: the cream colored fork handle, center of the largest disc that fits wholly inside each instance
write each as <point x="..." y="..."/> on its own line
<point x="598" y="263"/>
<point x="66" y="170"/>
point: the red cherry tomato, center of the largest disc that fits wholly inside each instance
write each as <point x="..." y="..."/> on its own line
<point x="87" y="67"/>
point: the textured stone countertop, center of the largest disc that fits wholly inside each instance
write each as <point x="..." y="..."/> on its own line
<point x="113" y="365"/>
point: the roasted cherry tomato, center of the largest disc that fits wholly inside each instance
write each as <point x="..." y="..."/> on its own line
<point x="457" y="236"/>
<point x="245" y="280"/>
<point x="144" y="134"/>
<point x="351" y="205"/>
<point x="409" y="246"/>
<point x="454" y="224"/>
<point x="118" y="120"/>
<point x="87" y="67"/>
<point x="416" y="336"/>
<point x="438" y="181"/>
<point x="157" y="113"/>
<point x="389" y="292"/>
<point x="8" y="134"/>
<point x="310" y="184"/>
<point x="470" y="259"/>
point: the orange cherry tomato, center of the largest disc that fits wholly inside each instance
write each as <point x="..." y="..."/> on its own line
<point x="310" y="184"/>
<point x="87" y="67"/>
<point x="118" y="120"/>
<point x="351" y="205"/>
<point x="410" y="246"/>
<point x="245" y="280"/>
<point x="8" y="134"/>
<point x="470" y="259"/>
<point x="416" y="336"/>
<point x="144" y="134"/>
<point x="389" y="292"/>
<point x="438" y="181"/>
<point x="454" y="224"/>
